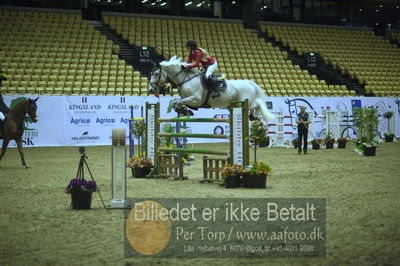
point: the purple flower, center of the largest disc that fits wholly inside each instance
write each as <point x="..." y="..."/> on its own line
<point x="76" y="185"/>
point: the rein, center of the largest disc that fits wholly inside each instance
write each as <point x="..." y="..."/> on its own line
<point x="154" y="85"/>
<point x="189" y="79"/>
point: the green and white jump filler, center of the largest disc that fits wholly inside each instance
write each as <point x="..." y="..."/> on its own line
<point x="239" y="133"/>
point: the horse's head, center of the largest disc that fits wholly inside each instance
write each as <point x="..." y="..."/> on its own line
<point x="157" y="80"/>
<point x="31" y="109"/>
<point x="172" y="70"/>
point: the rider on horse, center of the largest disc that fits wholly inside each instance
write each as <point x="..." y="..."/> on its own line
<point x="200" y="55"/>
<point x="3" y="107"/>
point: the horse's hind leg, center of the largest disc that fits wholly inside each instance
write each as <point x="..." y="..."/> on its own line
<point x="21" y="153"/>
<point x="4" y="148"/>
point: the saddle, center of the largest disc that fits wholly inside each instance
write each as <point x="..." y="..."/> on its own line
<point x="215" y="82"/>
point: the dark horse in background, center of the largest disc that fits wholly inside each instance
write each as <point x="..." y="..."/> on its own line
<point x="13" y="127"/>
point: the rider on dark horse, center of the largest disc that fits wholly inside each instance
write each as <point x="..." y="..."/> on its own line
<point x="200" y="56"/>
<point x="3" y="107"/>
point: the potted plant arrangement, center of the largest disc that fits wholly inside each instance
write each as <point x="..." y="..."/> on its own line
<point x="369" y="148"/>
<point x="258" y="134"/>
<point x="264" y="142"/>
<point x="329" y="141"/>
<point x="342" y="143"/>
<point x="389" y="136"/>
<point x="140" y="166"/>
<point x="316" y="144"/>
<point x="231" y="174"/>
<point x="367" y="123"/>
<point x="81" y="193"/>
<point x="256" y="175"/>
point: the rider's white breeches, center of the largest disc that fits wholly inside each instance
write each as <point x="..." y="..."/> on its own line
<point x="211" y="69"/>
<point x="2" y="117"/>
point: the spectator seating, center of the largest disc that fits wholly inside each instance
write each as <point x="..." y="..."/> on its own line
<point x="57" y="53"/>
<point x="364" y="56"/>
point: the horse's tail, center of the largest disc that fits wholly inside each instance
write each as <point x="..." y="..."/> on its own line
<point x="261" y="104"/>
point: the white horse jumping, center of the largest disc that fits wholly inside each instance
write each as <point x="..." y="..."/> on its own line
<point x="193" y="94"/>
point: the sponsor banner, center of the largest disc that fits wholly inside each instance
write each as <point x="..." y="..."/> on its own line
<point x="50" y="126"/>
<point x="88" y="120"/>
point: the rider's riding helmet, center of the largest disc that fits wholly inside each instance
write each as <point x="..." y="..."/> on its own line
<point x="191" y="44"/>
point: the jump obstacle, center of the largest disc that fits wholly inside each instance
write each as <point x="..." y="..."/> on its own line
<point x="329" y="118"/>
<point x="239" y="141"/>
<point x="211" y="168"/>
<point x="279" y="132"/>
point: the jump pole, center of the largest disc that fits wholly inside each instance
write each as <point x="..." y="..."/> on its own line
<point x="131" y="139"/>
<point x="152" y="131"/>
<point x="118" y="159"/>
<point x="239" y="133"/>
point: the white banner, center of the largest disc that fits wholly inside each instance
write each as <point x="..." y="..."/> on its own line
<point x="88" y="120"/>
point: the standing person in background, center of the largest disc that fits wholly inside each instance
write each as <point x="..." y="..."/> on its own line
<point x="200" y="55"/>
<point x="302" y="128"/>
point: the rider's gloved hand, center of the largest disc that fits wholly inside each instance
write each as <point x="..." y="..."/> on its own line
<point x="183" y="68"/>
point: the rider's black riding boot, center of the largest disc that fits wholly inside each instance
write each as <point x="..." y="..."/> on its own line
<point x="213" y="81"/>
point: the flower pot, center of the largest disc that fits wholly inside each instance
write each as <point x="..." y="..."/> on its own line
<point x="255" y="181"/>
<point x="232" y="181"/>
<point x="139" y="172"/>
<point x="81" y="200"/>
<point x="316" y="146"/>
<point x="329" y="145"/>
<point x="342" y="144"/>
<point x="389" y="138"/>
<point x="369" y="151"/>
<point x="264" y="143"/>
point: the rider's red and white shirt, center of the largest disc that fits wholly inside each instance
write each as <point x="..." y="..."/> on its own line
<point x="196" y="56"/>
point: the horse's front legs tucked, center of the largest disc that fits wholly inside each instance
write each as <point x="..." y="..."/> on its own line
<point x="192" y="101"/>
<point x="174" y="104"/>
<point x="21" y="153"/>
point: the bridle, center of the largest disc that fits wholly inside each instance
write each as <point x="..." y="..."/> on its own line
<point x="34" y="107"/>
<point x="155" y="84"/>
